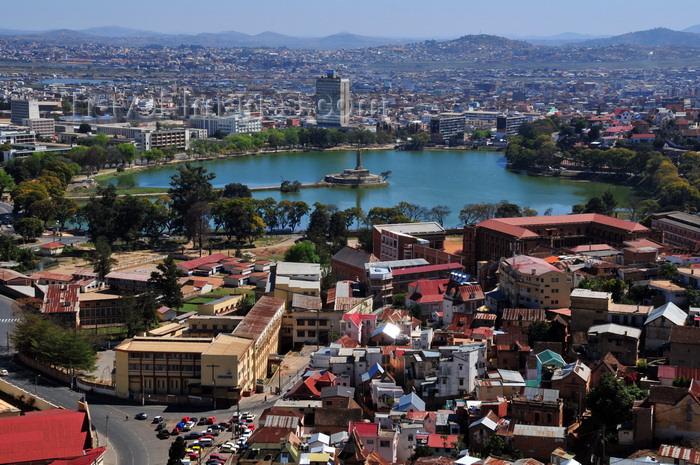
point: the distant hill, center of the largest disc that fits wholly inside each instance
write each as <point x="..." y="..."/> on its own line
<point x="565" y="38"/>
<point x="118" y="31"/>
<point x="659" y="37"/>
<point x="126" y="36"/>
<point x="484" y="42"/>
<point x="695" y="29"/>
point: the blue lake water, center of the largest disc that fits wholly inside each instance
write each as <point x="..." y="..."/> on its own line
<point x="427" y="178"/>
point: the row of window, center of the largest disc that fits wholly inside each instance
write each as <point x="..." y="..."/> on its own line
<point x="161" y="355"/>
<point x="159" y="367"/>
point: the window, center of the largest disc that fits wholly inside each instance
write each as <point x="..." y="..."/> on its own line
<point x="370" y="441"/>
<point x="300" y="333"/>
<point x="384" y="444"/>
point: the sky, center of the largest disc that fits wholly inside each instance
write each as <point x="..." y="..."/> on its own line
<point x="379" y="18"/>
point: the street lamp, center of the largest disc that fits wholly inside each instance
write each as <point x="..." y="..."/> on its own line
<point x="36" y="384"/>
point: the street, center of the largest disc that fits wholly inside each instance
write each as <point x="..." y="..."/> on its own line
<point x="132" y="442"/>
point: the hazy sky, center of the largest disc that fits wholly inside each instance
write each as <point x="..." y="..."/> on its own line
<point x="386" y="18"/>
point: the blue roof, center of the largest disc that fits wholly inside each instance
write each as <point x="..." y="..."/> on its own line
<point x="549" y="357"/>
<point x="373" y="370"/>
<point x="411" y="400"/>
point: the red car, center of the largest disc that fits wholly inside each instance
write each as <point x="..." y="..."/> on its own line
<point x="217" y="457"/>
<point x="185" y="419"/>
<point x="211" y="420"/>
<point x="175" y="431"/>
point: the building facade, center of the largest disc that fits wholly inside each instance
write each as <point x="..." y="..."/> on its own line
<point x="333" y="103"/>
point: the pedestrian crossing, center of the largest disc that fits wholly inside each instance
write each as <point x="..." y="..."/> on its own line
<point x="9" y="320"/>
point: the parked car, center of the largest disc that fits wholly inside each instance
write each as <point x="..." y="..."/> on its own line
<point x="175" y="431"/>
<point x="163" y="433"/>
<point x="4" y="372"/>
<point x="157" y="419"/>
<point x="161" y="427"/>
<point x="216" y="456"/>
<point x="141" y="416"/>
<point x="211" y="420"/>
<point x="193" y="435"/>
<point x="206" y="442"/>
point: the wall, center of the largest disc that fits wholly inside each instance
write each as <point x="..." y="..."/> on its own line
<point x="14" y="391"/>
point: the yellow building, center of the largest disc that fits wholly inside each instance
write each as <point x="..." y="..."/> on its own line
<point x="225" y="304"/>
<point x="169" y="369"/>
<point x="534" y="283"/>
<point x="262" y="325"/>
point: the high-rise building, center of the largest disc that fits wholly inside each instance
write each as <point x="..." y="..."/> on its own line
<point x="23" y="109"/>
<point x="333" y="102"/>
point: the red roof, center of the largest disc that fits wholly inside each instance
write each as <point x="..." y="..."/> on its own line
<point x="439" y="440"/>
<point x="61" y="300"/>
<point x="52" y="245"/>
<point x="427" y="269"/>
<point x="364" y="429"/>
<point x="192" y="264"/>
<point x="36" y="437"/>
<point x="518" y="226"/>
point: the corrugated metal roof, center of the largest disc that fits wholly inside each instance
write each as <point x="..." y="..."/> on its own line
<point x="539" y="431"/>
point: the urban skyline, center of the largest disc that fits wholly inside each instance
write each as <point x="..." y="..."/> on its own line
<point x="390" y="18"/>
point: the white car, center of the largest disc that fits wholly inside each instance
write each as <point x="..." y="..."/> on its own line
<point x="4" y="372"/>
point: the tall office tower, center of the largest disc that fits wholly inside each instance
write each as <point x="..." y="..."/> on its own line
<point x="23" y="109"/>
<point x="333" y="102"/>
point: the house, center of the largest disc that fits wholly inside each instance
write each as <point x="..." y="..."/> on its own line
<point x="537" y="406"/>
<point x="296" y="278"/>
<point x="676" y="411"/>
<point x="606" y="365"/>
<point x="676" y="455"/>
<point x="49" y="436"/>
<point x="426" y="294"/>
<point x="458" y="369"/>
<point x="409" y="403"/>
<point x="538" y="441"/>
<point x="62" y="304"/>
<point x="511" y="351"/>
<point x="51" y="249"/>
<point x="373" y="439"/>
<point x="349" y="263"/>
<point x="659" y="323"/>
<point x="166" y="313"/>
<point x="684" y="346"/>
<point x="482" y="430"/>
<point x="573" y="382"/>
<point x="443" y="444"/>
<point x="621" y="341"/>
<point x="517" y="320"/>
<point x="547" y="359"/>
<point x="189" y="266"/>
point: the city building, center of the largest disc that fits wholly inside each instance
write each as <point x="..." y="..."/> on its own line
<point x="169" y="369"/>
<point x="262" y="325"/>
<point x="333" y="103"/>
<point x="534" y="283"/>
<point x="232" y="124"/>
<point x="496" y="238"/>
<point x="395" y="241"/>
<point x="448" y="129"/>
<point x="679" y="229"/>
<point x="23" y="109"/>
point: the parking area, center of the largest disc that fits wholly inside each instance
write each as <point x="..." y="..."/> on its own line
<point x="156" y="432"/>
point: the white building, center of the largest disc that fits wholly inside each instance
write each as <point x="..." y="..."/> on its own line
<point x="457" y="372"/>
<point x="232" y="124"/>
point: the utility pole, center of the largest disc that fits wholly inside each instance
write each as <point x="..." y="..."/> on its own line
<point x="107" y="428"/>
<point x="213" y="379"/>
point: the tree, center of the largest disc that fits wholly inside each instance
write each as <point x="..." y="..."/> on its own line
<point x="84" y="128"/>
<point x="235" y="189"/>
<point x="139" y="314"/>
<point x="507" y="210"/>
<point x="127" y="153"/>
<point x="668" y="270"/>
<point x="318" y="223"/>
<point x="177" y="451"/>
<point x="6" y="182"/>
<point x="29" y="228"/>
<point x="100" y="214"/>
<point x="244" y="305"/>
<point x="476" y="212"/>
<point x="101" y="259"/>
<point x="496" y="446"/>
<point x="611" y="401"/>
<point x="439" y="213"/>
<point x="609" y="202"/>
<point x="190" y="185"/>
<point x="303" y="252"/>
<point x="165" y="283"/>
<point x="539" y="331"/>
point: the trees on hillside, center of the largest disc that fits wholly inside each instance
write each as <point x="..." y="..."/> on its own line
<point x="165" y="283"/>
<point x="191" y="185"/>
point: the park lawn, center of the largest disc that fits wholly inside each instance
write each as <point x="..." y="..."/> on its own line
<point x="202" y="300"/>
<point x="188" y="307"/>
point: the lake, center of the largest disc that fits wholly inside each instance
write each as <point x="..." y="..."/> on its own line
<point x="427" y="178"/>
